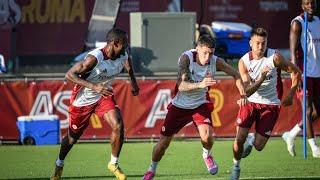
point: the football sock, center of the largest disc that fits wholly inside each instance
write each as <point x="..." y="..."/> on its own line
<point x="113" y="159"/>
<point x="65" y="148"/>
<point x="206" y="152"/>
<point x="236" y="162"/>
<point x="312" y="144"/>
<point x="295" y="131"/>
<point x="59" y="162"/>
<point x="153" y="166"/>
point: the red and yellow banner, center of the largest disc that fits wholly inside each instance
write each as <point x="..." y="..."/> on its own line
<point x="143" y="115"/>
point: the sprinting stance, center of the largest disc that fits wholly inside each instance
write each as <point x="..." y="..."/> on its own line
<point x="93" y="94"/>
<point x="297" y="41"/>
<point x="196" y="71"/>
<point x="258" y="70"/>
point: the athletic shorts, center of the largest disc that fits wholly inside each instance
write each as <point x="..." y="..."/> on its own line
<point x="177" y="118"/>
<point x="79" y="116"/>
<point x="265" y="116"/>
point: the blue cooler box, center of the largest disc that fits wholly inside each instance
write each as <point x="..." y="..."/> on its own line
<point x="39" y="130"/>
<point x="232" y="38"/>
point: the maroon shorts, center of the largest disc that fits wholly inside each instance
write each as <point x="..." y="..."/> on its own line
<point x="177" y="118"/>
<point x="313" y="89"/>
<point x="79" y="116"/>
<point x="265" y="117"/>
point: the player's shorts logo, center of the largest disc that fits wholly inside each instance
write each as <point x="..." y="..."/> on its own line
<point x="239" y="120"/>
<point x="163" y="129"/>
<point x="268" y="133"/>
<point x="74" y="126"/>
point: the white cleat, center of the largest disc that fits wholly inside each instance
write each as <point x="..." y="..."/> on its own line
<point x="316" y="153"/>
<point x="290" y="143"/>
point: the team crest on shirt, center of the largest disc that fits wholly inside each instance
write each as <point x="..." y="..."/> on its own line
<point x="74" y="126"/>
<point x="163" y="129"/>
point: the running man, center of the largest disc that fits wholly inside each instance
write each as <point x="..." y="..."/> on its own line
<point x="196" y="72"/>
<point x="93" y="94"/>
<point x="258" y="70"/>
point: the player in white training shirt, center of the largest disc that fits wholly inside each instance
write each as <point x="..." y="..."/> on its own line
<point x="196" y="71"/>
<point x="258" y="70"/>
<point x="93" y="93"/>
<point x="297" y="41"/>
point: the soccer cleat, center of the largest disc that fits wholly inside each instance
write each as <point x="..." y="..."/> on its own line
<point x="247" y="147"/>
<point x="290" y="143"/>
<point x="56" y="175"/>
<point x="316" y="153"/>
<point x="235" y="174"/>
<point x="211" y="165"/>
<point x="148" y="175"/>
<point x="116" y="170"/>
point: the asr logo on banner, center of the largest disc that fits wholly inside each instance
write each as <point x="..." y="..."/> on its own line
<point x="54" y="11"/>
<point x="159" y="108"/>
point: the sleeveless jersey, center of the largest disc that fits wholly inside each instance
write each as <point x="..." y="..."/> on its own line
<point x="267" y="92"/>
<point x="313" y="45"/>
<point x="104" y="72"/>
<point x="194" y="98"/>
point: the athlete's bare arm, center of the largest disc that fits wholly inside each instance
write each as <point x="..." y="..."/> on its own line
<point x="250" y="86"/>
<point x="129" y="69"/>
<point x="223" y="66"/>
<point x="281" y="62"/>
<point x="80" y="69"/>
<point x="184" y="81"/>
<point x="294" y="39"/>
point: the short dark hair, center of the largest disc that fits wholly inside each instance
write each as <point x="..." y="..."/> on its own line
<point x="116" y="34"/>
<point x="259" y="31"/>
<point x="206" y="40"/>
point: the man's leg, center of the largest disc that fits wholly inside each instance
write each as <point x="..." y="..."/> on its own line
<point x="66" y="144"/>
<point x="157" y="154"/>
<point x="237" y="151"/>
<point x="114" y="119"/>
<point x="312" y="114"/>
<point x="205" y="132"/>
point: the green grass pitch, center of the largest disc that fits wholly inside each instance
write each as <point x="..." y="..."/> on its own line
<point x="182" y="160"/>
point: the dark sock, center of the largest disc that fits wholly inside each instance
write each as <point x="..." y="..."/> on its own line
<point x="65" y="148"/>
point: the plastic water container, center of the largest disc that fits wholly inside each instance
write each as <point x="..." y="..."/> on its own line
<point x="39" y="130"/>
<point x="232" y="38"/>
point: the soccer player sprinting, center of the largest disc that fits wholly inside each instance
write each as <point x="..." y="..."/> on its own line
<point x="196" y="71"/>
<point x="93" y="94"/>
<point x="297" y="41"/>
<point x="258" y="70"/>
